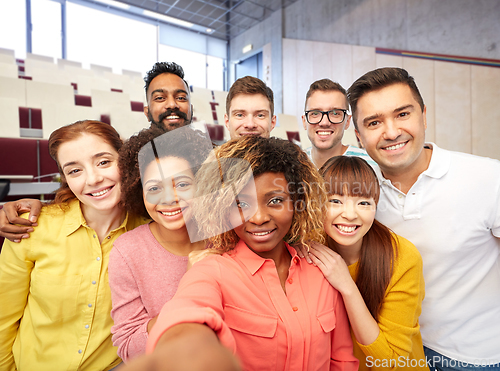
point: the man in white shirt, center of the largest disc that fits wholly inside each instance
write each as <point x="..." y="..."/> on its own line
<point x="447" y="204"/>
<point x="325" y="119"/>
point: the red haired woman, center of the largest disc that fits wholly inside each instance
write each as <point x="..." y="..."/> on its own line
<point x="54" y="290"/>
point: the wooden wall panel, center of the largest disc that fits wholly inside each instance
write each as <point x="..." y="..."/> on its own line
<point x="363" y="60"/>
<point x="485" y="111"/>
<point x="423" y="73"/>
<point x="453" y="106"/>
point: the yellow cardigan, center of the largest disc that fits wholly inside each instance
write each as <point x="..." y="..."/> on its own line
<point x="399" y="343"/>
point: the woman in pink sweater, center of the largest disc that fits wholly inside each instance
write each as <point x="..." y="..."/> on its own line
<point x="147" y="263"/>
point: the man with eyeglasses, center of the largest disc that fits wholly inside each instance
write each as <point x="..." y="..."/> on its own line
<point x="325" y="119"/>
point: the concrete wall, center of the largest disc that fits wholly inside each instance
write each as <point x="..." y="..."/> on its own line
<point x="267" y="37"/>
<point x="456" y="27"/>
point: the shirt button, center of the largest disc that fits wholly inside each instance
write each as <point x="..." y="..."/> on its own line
<point x="290" y="280"/>
<point x="93" y="282"/>
<point x="98" y="258"/>
<point x="80" y="351"/>
<point x="295" y="309"/>
<point x="86" y="326"/>
<point x="108" y="237"/>
<point x="94" y="235"/>
<point x="400" y="196"/>
<point x="90" y="305"/>
<point x="296" y="260"/>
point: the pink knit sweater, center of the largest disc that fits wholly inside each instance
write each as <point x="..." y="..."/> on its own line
<point x="143" y="276"/>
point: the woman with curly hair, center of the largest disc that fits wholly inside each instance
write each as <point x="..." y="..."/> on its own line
<point x="258" y="298"/>
<point x="146" y="264"/>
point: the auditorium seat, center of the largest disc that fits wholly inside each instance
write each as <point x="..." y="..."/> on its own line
<point x="13" y="88"/>
<point x="8" y="70"/>
<point x="216" y="133"/>
<point x="202" y="110"/>
<point x="83" y="100"/>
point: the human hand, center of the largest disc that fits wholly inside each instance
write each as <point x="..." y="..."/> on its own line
<point x="14" y="227"/>
<point x="303" y="251"/>
<point x="333" y="267"/>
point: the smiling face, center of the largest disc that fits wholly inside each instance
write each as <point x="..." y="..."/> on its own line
<point x="348" y="219"/>
<point x="272" y="215"/>
<point x="90" y="166"/>
<point x="391" y="127"/>
<point x="168" y="186"/>
<point x="325" y="135"/>
<point x="168" y="102"/>
<point x="249" y="114"/>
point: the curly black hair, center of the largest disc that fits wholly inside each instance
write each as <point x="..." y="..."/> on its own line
<point x="163" y="67"/>
<point x="305" y="186"/>
<point x="187" y="143"/>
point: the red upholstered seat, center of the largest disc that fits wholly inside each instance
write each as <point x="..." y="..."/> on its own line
<point x="216" y="132"/>
<point x="293" y="136"/>
<point x="83" y="100"/>
<point x="30" y="118"/>
<point x="137" y="106"/>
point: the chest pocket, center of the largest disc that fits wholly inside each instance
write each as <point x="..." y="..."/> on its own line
<point x="254" y="335"/>
<point x="56" y="296"/>
<point x="327" y="321"/>
<point x="321" y="344"/>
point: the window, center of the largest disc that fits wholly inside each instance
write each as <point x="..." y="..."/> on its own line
<point x="193" y="64"/>
<point x="46" y="32"/>
<point x="215" y="73"/>
<point x="13" y="27"/>
<point x="97" y="37"/>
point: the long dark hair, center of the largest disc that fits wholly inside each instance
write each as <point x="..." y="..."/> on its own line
<point x="352" y="176"/>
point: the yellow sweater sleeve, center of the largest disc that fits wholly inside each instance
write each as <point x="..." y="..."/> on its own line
<point x="399" y="340"/>
<point x="15" y="271"/>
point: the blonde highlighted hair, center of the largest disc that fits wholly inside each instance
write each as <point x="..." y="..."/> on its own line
<point x="227" y="172"/>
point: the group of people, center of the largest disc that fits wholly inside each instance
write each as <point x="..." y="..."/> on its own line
<point x="299" y="260"/>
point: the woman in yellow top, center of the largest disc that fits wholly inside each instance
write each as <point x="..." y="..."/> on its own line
<point x="378" y="273"/>
<point x="54" y="289"/>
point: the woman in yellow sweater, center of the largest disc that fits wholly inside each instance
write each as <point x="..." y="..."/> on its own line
<point x="378" y="273"/>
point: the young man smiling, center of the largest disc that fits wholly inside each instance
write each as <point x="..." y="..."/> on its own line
<point x="447" y="204"/>
<point x="249" y="108"/>
<point x="325" y="119"/>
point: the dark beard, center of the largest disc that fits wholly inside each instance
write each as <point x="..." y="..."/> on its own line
<point x="167" y="113"/>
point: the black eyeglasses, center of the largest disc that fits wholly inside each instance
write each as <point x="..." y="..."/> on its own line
<point x="335" y="116"/>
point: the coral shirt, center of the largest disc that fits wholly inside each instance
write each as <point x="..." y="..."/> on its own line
<point x="239" y="296"/>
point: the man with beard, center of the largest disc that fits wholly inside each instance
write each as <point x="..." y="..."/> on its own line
<point x="167" y="94"/>
<point x="325" y="119"/>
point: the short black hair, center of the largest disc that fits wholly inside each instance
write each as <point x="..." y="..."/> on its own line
<point x="163" y="67"/>
<point x="378" y="79"/>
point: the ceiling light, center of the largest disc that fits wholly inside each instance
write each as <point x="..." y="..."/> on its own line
<point x="114" y="4"/>
<point x="168" y="19"/>
<point x="209" y="30"/>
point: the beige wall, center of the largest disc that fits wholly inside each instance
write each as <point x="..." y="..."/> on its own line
<point x="463" y="113"/>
